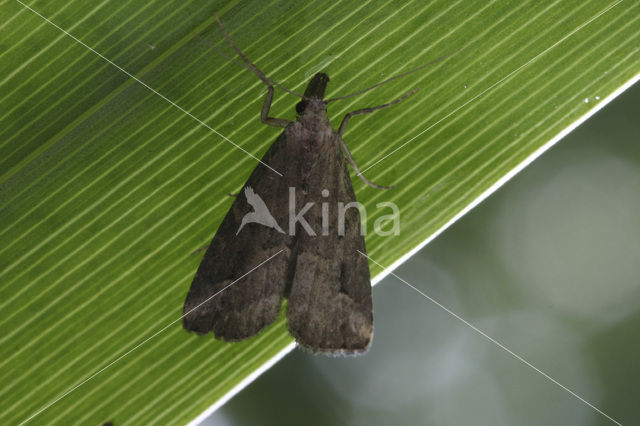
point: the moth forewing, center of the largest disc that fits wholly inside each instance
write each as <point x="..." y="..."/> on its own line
<point x="330" y="306"/>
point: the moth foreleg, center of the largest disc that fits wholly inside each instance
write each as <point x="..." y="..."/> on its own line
<point x="346" y="118"/>
<point x="343" y="126"/>
<point x="264" y="116"/>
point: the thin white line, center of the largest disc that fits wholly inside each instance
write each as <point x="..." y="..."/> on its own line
<point x="152" y="89"/>
<point x="142" y="343"/>
<point x="509" y="175"/>
<point x="375" y="280"/>
<point x="500" y="345"/>
<point x="494" y="84"/>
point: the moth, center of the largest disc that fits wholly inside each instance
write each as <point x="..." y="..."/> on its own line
<point x="260" y="255"/>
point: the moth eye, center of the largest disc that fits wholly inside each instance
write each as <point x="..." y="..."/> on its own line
<point x="300" y="107"/>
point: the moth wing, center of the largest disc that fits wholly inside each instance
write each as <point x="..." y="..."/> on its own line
<point x="230" y="294"/>
<point x="330" y="307"/>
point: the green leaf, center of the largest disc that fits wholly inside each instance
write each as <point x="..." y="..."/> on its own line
<point x="107" y="187"/>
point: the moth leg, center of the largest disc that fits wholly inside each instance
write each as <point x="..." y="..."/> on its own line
<point x="203" y="248"/>
<point x="264" y="116"/>
<point x="343" y="126"/>
<point x="346" y="118"/>
<point x="277" y="122"/>
<point x="355" y="166"/>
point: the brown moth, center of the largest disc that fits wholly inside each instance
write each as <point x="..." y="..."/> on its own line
<point x="277" y="241"/>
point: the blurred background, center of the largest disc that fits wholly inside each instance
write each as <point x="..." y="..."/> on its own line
<point x="548" y="266"/>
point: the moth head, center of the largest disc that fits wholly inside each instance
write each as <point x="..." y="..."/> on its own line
<point x="314" y="94"/>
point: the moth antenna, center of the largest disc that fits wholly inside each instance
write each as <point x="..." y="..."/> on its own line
<point x="221" y="53"/>
<point x="435" y="61"/>
<point x="249" y="65"/>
